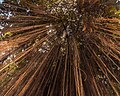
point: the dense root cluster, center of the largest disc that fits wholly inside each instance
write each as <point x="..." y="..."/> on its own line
<point x="59" y="48"/>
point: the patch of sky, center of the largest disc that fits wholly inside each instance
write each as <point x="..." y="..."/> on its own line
<point x="117" y="1"/>
<point x="1" y="27"/>
<point x="1" y="1"/>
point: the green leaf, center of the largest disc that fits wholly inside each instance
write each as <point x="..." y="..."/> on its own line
<point x="8" y="34"/>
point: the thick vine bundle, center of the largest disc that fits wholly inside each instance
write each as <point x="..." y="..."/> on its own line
<point x="60" y="48"/>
